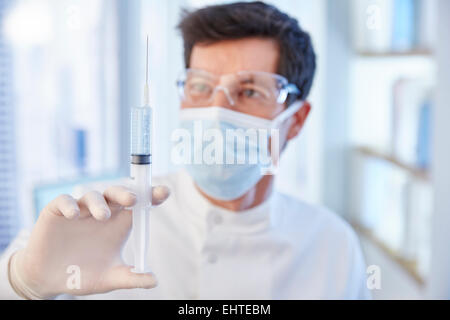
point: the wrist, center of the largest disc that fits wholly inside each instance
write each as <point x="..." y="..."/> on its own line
<point x="16" y="279"/>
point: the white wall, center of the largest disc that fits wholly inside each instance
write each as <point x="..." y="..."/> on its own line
<point x="440" y="265"/>
<point x="130" y="86"/>
<point x="336" y="108"/>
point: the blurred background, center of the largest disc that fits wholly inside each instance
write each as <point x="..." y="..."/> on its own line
<point x="376" y="149"/>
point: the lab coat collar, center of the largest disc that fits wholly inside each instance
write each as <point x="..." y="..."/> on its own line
<point x="257" y="219"/>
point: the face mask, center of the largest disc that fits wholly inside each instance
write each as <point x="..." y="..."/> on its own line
<point x="229" y="150"/>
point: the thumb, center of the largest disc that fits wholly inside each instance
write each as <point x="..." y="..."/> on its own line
<point x="159" y="195"/>
<point x="121" y="277"/>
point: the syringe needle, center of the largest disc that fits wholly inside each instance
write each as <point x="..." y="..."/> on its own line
<point x="146" y="89"/>
<point x="146" y="68"/>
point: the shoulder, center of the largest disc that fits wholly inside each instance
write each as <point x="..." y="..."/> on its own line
<point x="327" y="242"/>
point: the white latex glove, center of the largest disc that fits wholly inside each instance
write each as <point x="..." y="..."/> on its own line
<point x="88" y="233"/>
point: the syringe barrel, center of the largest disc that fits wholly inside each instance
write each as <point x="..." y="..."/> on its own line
<point x="141" y="126"/>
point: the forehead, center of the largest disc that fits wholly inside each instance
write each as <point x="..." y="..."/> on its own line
<point x="230" y="56"/>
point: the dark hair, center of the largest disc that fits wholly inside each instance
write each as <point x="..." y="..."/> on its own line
<point x="254" y="19"/>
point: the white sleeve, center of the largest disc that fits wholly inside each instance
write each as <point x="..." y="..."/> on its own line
<point x="20" y="242"/>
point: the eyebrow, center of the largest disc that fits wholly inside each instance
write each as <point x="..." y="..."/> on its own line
<point x="248" y="81"/>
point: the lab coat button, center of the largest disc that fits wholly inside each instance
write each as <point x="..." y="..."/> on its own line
<point x="218" y="219"/>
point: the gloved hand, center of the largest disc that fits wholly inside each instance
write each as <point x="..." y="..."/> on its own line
<point x="89" y="234"/>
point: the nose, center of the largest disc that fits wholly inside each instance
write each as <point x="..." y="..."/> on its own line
<point x="222" y="97"/>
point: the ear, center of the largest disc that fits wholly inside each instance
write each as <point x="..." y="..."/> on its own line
<point x="299" y="120"/>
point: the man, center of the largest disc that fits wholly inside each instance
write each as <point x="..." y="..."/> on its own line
<point x="224" y="233"/>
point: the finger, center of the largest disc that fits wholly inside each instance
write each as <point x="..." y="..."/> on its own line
<point x="119" y="195"/>
<point x="96" y="206"/>
<point x="159" y="195"/>
<point x="64" y="205"/>
<point x="121" y="277"/>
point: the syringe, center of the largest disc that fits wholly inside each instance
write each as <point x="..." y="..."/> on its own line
<point x="141" y="175"/>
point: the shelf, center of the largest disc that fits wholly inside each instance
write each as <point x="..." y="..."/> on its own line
<point x="418" y="173"/>
<point x="410" y="266"/>
<point x="396" y="54"/>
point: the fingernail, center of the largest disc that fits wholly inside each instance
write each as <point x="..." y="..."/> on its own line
<point x="132" y="195"/>
<point x="74" y="214"/>
<point x="162" y="191"/>
<point x="105" y="214"/>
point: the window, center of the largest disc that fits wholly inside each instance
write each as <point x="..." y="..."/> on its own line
<point x="8" y="203"/>
<point x="64" y="80"/>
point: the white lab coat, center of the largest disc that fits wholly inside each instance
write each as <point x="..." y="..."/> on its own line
<point x="282" y="249"/>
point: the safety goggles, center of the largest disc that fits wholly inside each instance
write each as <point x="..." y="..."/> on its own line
<point x="246" y="89"/>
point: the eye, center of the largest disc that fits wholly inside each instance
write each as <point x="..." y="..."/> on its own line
<point x="251" y="93"/>
<point x="198" y="87"/>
